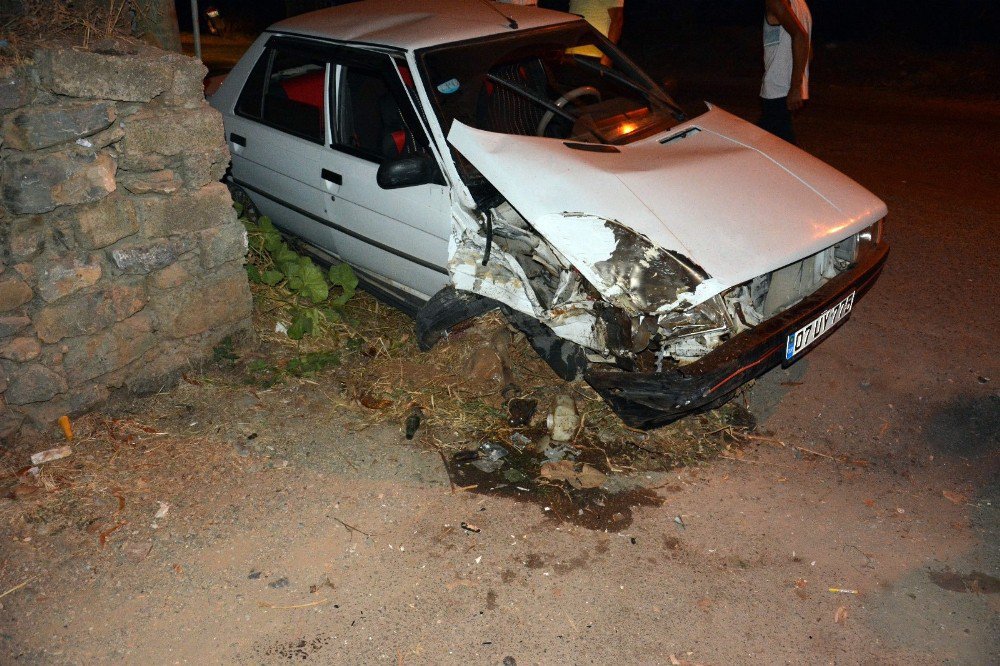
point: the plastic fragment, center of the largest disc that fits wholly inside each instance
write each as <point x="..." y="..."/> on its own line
<point x="50" y="455"/>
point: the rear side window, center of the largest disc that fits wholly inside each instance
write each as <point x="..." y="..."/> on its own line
<point x="375" y="121"/>
<point x="286" y="91"/>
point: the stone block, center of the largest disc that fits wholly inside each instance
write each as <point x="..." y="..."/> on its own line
<point x="26" y="270"/>
<point x="21" y="349"/>
<point x="67" y="274"/>
<point x="141" y="258"/>
<point x="204" y="167"/>
<point x="101" y="224"/>
<point x="34" y="383"/>
<point x="161" y="366"/>
<point x="15" y="87"/>
<point x="122" y="77"/>
<point x="13" y="325"/>
<point x="93" y="356"/>
<point x="87" y="314"/>
<point x="103" y="139"/>
<point x="10" y="424"/>
<point x="163" y="181"/>
<point x="38" y="183"/>
<point x="174" y="275"/>
<point x="222" y="245"/>
<point x="188" y="87"/>
<point x="37" y="127"/>
<point x="217" y="300"/>
<point x="183" y="212"/>
<point x="27" y="237"/>
<point x="172" y="132"/>
<point x="191" y="141"/>
<point x="74" y="403"/>
<point x="14" y="293"/>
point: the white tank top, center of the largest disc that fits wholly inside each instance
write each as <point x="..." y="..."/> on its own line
<point x="778" y="55"/>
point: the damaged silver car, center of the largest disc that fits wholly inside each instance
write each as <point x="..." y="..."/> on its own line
<point x="466" y="157"/>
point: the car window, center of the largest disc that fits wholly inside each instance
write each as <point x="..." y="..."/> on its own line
<point x="374" y="118"/>
<point x="286" y="90"/>
<point x="546" y="82"/>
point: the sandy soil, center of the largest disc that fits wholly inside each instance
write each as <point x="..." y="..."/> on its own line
<point x="311" y="536"/>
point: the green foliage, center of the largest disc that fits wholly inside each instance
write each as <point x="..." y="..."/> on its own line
<point x="310" y="364"/>
<point x="224" y="352"/>
<point x="314" y="297"/>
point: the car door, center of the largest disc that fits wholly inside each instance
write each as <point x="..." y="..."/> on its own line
<point x="279" y="134"/>
<point x="397" y="235"/>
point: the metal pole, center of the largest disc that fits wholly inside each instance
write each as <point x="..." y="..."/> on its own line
<point x="195" y="16"/>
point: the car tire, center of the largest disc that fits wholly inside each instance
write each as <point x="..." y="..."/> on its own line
<point x="243" y="200"/>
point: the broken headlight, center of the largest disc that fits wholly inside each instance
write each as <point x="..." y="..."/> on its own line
<point x="650" y="278"/>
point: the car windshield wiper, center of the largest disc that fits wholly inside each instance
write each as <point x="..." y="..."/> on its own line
<point x="648" y="92"/>
<point x="538" y="99"/>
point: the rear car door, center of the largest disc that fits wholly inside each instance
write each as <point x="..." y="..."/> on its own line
<point x="399" y="236"/>
<point x="279" y="134"/>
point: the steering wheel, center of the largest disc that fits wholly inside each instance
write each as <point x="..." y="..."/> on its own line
<point x="582" y="91"/>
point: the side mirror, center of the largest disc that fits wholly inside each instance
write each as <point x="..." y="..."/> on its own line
<point x="408" y="171"/>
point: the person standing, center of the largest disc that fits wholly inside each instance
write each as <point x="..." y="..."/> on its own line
<point x="787" y="44"/>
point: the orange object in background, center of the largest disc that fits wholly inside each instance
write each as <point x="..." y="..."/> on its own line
<point x="66" y="427"/>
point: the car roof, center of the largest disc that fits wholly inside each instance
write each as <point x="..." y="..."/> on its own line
<point x="415" y="24"/>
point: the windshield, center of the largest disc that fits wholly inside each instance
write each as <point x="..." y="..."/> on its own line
<point x="565" y="82"/>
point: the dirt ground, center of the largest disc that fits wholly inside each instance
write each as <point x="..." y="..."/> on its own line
<point x="858" y="525"/>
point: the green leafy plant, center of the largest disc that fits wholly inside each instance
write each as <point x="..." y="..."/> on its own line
<point x="313" y="296"/>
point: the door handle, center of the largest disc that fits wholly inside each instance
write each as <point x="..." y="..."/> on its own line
<point x="332" y="177"/>
<point x="238" y="140"/>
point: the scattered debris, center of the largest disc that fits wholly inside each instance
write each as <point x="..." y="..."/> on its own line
<point x="564" y="420"/>
<point x="254" y="575"/>
<point x="318" y="602"/>
<point x="17" y="587"/>
<point x="313" y="589"/>
<point x="520" y="439"/>
<point x="67" y="428"/>
<point x="103" y="537"/>
<point x="162" y="511"/>
<point x="557" y="453"/>
<point x="490" y="457"/>
<point x="521" y="411"/>
<point x="50" y="455"/>
<point x="351" y="528"/>
<point x="565" y="470"/>
<point x="413" y="421"/>
<point x="469" y="527"/>
<point x="839" y="590"/>
<point x="369" y="401"/>
<point x="955" y="498"/>
<point x="680" y="521"/>
<point x="840" y="616"/>
<point x="278" y="584"/>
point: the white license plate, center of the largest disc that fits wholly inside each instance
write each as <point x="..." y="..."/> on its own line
<point x="815" y="329"/>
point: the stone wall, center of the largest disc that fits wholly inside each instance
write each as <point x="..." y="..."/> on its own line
<point x="121" y="257"/>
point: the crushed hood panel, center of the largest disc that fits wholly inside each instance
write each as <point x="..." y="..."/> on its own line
<point x="731" y="197"/>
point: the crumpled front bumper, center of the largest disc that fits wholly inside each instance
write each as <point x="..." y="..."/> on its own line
<point x="652" y="399"/>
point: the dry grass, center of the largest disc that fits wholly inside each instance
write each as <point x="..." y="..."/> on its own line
<point x="115" y="478"/>
<point x="74" y="22"/>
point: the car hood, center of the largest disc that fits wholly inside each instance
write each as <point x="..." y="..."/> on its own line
<point x="734" y="199"/>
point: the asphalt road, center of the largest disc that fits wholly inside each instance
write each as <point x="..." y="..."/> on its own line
<point x="883" y="485"/>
